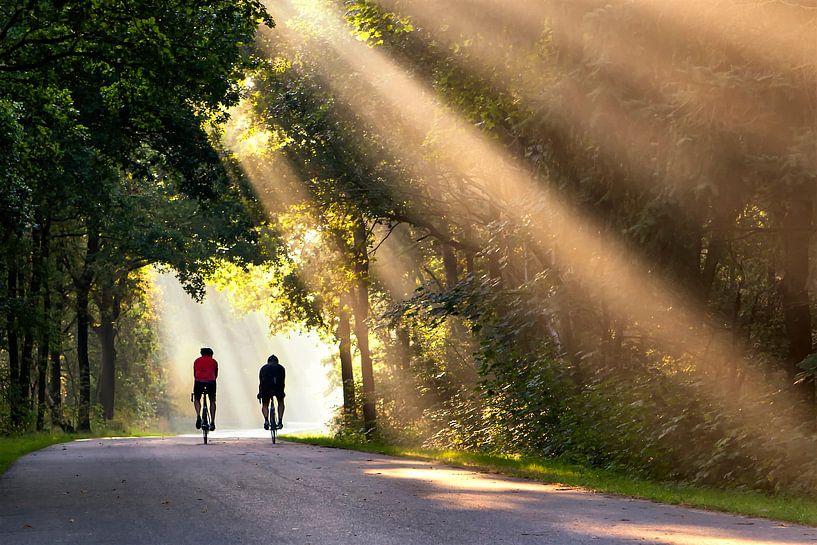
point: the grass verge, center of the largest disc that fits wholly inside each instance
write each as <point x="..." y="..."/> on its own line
<point x="790" y="509"/>
<point x="14" y="446"/>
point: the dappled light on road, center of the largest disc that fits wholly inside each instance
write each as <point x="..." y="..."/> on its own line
<point x="543" y="508"/>
<point x="456" y="478"/>
<point x="675" y="534"/>
<point x="151" y="490"/>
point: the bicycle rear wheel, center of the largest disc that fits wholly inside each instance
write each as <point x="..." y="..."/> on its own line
<point x="205" y="424"/>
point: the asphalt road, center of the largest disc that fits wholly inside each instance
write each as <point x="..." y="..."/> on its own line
<point x="177" y="491"/>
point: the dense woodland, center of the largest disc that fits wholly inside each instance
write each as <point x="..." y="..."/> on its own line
<point x="578" y="229"/>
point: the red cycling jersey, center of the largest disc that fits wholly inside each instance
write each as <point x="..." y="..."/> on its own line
<point x="205" y="368"/>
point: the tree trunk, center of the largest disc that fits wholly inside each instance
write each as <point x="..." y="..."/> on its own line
<point x="346" y="371"/>
<point x="45" y="330"/>
<point x="84" y="409"/>
<point x="12" y="335"/>
<point x="724" y="218"/>
<point x="55" y="388"/>
<point x="450" y="264"/>
<point x="33" y="327"/>
<point x="107" y="336"/>
<point x="42" y="371"/>
<point x="55" y="382"/>
<point x="360" y="309"/>
<point x="109" y="309"/>
<point x="83" y="288"/>
<point x="404" y="341"/>
<point x="24" y="378"/>
<point x="797" y="225"/>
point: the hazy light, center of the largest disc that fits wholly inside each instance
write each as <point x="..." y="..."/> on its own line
<point x="631" y="286"/>
<point x="241" y="342"/>
<point x="510" y="49"/>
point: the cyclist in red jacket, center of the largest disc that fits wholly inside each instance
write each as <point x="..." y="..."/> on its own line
<point x="205" y="373"/>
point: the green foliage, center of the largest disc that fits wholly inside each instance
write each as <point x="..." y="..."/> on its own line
<point x="641" y="302"/>
<point x="628" y="121"/>
<point x="107" y="168"/>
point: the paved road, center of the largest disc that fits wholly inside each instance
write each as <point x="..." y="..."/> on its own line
<point x="176" y="491"/>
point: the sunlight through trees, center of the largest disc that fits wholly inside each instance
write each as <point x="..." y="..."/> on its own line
<point x="578" y="229"/>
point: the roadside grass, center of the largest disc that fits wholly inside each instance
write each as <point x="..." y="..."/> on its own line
<point x="13" y="447"/>
<point x="801" y="510"/>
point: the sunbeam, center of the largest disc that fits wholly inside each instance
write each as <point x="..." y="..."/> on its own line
<point x="634" y="287"/>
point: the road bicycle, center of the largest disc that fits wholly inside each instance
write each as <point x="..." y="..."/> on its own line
<point x="205" y="413"/>
<point x="205" y="416"/>
<point x="273" y="427"/>
<point x="273" y="423"/>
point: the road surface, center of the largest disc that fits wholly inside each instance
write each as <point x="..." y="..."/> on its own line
<point x="177" y="491"/>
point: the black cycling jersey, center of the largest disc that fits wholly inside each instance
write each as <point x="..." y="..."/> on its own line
<point x="272" y="377"/>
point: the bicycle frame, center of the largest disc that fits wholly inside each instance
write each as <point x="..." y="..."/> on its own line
<point x="205" y="413"/>
<point x="273" y="420"/>
<point x="205" y="417"/>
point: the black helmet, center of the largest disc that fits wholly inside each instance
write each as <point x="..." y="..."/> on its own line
<point x="272" y="359"/>
<point x="206" y="351"/>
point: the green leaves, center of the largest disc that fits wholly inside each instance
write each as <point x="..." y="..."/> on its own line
<point x="809" y="369"/>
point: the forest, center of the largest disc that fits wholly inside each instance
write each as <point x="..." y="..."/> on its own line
<point x="570" y="228"/>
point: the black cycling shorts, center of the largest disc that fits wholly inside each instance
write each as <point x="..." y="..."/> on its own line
<point x="266" y="395"/>
<point x="200" y="385"/>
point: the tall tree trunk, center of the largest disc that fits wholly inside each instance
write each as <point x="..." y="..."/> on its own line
<point x="45" y="330"/>
<point x="83" y="289"/>
<point x="346" y="371"/>
<point x="42" y="371"/>
<point x="107" y="336"/>
<point x="84" y="409"/>
<point x="109" y="310"/>
<point x="797" y="225"/>
<point x="24" y="378"/>
<point x="54" y="354"/>
<point x="360" y="309"/>
<point x="12" y="335"/>
<point x="32" y="327"/>
<point x="55" y="387"/>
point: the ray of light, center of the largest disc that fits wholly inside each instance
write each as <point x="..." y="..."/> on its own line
<point x="646" y="66"/>
<point x="634" y="287"/>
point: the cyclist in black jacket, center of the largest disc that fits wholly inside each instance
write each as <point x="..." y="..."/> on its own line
<point x="271" y="383"/>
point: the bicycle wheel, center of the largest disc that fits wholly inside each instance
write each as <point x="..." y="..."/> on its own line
<point x="205" y="424"/>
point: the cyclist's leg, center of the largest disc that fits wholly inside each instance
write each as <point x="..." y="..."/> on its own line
<point x="197" y="402"/>
<point x="212" y="396"/>
<point x="280" y="410"/>
<point x="265" y="404"/>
